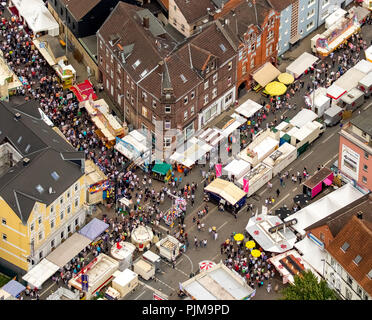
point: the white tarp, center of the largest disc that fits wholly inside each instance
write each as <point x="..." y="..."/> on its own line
<point x="40" y="273"/>
<point x="303" y="117"/>
<point x="368" y="53"/>
<point x="350" y="79"/>
<point x="324" y="207"/>
<point x="312" y="253"/>
<point x="248" y="108"/>
<point x="301" y="64"/>
<point x="237" y="168"/>
<point x="364" y="65"/>
<point x="195" y="150"/>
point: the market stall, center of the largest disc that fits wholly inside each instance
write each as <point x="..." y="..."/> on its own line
<point x="275" y="88"/>
<point x="142" y="237"/>
<point x="40" y="273"/>
<point x="97" y="183"/>
<point x="266" y="74"/>
<point x="161" y="171"/>
<point x="83" y="91"/>
<point x="315" y="184"/>
<point x="365" y="85"/>
<point x="50" y="48"/>
<point x="271" y="233"/>
<point x="368" y="53"/>
<point x="248" y="108"/>
<point x="303" y="117"/>
<point x="236" y="168"/>
<point x="66" y="74"/>
<point x="206" y="265"/>
<point x="169" y="247"/>
<point x="123" y="252"/>
<point x="228" y="192"/>
<point x="281" y="158"/>
<point x="9" y="83"/>
<point x="289" y="264"/>
<point x="125" y="282"/>
<point x="144" y="268"/>
<point x="301" y="64"/>
<point x="256" y="178"/>
<point x="176" y="210"/>
<point x="14" y="288"/>
<point x="94" y="229"/>
<point x="286" y="78"/>
<point x="350" y="79"/>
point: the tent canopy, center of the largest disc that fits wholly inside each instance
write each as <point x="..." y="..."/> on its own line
<point x="40" y="273"/>
<point x="14" y="288"/>
<point x="301" y="64"/>
<point x="335" y="92"/>
<point x="93" y="229"/>
<point x="303" y="117"/>
<point x="248" y="108"/>
<point x="266" y="74"/>
<point x="162" y="168"/>
<point x="68" y="250"/>
<point x="226" y="190"/>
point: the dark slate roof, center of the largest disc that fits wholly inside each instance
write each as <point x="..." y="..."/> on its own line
<point x="279" y="5"/>
<point x="317" y="177"/>
<point x="46" y="147"/>
<point x="364" y="121"/>
<point x="337" y="220"/>
<point x="79" y="8"/>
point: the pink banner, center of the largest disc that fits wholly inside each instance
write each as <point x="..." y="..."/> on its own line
<point x="218" y="170"/>
<point x="245" y="185"/>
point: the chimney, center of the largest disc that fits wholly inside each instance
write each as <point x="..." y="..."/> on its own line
<point x="146" y="22"/>
<point x="17" y="116"/>
<point x="161" y="67"/>
<point x="26" y="161"/>
<point x="360" y="215"/>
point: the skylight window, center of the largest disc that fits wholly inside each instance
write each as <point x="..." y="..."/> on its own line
<point x="27" y="148"/>
<point x="369" y="275"/>
<point x="143" y="73"/>
<point x="55" y="175"/>
<point x="183" y="78"/>
<point x="19" y="139"/>
<point x="39" y="188"/>
<point x="345" y="246"/>
<point x="222" y="47"/>
<point x="136" y="64"/>
<point x="357" y="259"/>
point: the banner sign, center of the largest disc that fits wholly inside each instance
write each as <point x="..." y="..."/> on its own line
<point x="99" y="186"/>
<point x="218" y="170"/>
<point x="84" y="282"/>
<point x="245" y="185"/>
<point x="157" y="297"/>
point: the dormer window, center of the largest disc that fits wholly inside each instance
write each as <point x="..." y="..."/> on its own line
<point x="357" y="259"/>
<point x="136" y="64"/>
<point x="345" y="246"/>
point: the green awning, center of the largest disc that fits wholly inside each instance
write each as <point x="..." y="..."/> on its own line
<point x="161" y="168"/>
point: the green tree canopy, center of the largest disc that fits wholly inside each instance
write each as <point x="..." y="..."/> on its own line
<point x="307" y="287"/>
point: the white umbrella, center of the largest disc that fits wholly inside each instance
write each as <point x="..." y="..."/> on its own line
<point x="206" y="265"/>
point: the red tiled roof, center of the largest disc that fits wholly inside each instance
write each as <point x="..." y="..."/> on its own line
<point x="358" y="234"/>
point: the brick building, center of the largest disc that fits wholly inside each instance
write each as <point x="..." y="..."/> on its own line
<point x="355" y="150"/>
<point x="153" y="77"/>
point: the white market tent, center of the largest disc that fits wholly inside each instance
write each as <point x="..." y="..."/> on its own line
<point x="324" y="207"/>
<point x="248" y="108"/>
<point x="237" y="168"/>
<point x="368" y="53"/>
<point x="132" y="145"/>
<point x="312" y="253"/>
<point x="301" y="64"/>
<point x="40" y="273"/>
<point x="266" y="74"/>
<point x="37" y="16"/>
<point x="68" y="249"/>
<point x="226" y="190"/>
<point x="303" y="117"/>
<point x="350" y="79"/>
<point x="335" y="92"/>
<point x="364" y="65"/>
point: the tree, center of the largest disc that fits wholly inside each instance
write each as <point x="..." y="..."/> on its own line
<point x="307" y="287"/>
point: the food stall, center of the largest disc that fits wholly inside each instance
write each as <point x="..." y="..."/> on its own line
<point x="236" y="168"/>
<point x="153" y="258"/>
<point x="281" y="158"/>
<point x="248" y="108"/>
<point x="365" y="85"/>
<point x="175" y="211"/>
<point x="352" y="99"/>
<point x="265" y="74"/>
<point x="66" y="74"/>
<point x="142" y="237"/>
<point x="125" y="282"/>
<point x="97" y="183"/>
<point x="256" y="178"/>
<point x="169" y="247"/>
<point x="123" y="252"/>
<point x="301" y="64"/>
<point x="144" y="268"/>
<point x="161" y="171"/>
<point x="315" y="184"/>
<point x="9" y="83"/>
<point x="222" y="191"/>
<point x="83" y="91"/>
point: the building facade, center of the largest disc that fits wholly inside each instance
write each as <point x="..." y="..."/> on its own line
<point x="43" y="192"/>
<point x="348" y="263"/>
<point x="355" y="151"/>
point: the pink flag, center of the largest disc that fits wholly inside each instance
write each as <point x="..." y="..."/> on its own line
<point x="245" y="185"/>
<point x="218" y="170"/>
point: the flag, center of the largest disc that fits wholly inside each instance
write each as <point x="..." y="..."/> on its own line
<point x="84" y="282"/>
<point x="218" y="170"/>
<point x="245" y="185"/>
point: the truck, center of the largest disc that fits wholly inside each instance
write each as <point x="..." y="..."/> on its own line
<point x="332" y="116"/>
<point x="352" y="99"/>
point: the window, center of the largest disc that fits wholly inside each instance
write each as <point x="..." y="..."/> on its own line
<point x="167" y="124"/>
<point x="144" y="111"/>
<point x="252" y="62"/>
<point x="144" y="96"/>
<point x="345" y="246"/>
<point x="229" y="66"/>
<point x="349" y="280"/>
<point x="309" y="26"/>
<point x="61" y="200"/>
<point x="154" y="104"/>
<point x="112" y="59"/>
<point x="215" y="78"/>
<point x="3" y="221"/>
<point x="119" y="83"/>
<point x="253" y="47"/>
<point x="325" y="3"/>
<point x="214" y="93"/>
<point x="52" y="243"/>
<point x="118" y="68"/>
<point x="229" y="81"/>
<point x="175" y="21"/>
<point x="132" y="85"/>
<point x="76" y="221"/>
<point x="5" y="237"/>
<point x="167" y="109"/>
<point x="364" y="179"/>
<point x="206" y="85"/>
<point x="270" y="35"/>
<point x="167" y="142"/>
<point x="365" y="155"/>
<point x="192" y="110"/>
<point x="127" y="79"/>
<point x="69" y="228"/>
<point x="357" y="259"/>
<point x="62" y="235"/>
<point x="68" y="194"/>
<point x="76" y="202"/>
<point x="175" y="8"/>
<point x="39" y="220"/>
<point x="41" y="254"/>
<point x="192" y="95"/>
<point x="207" y="69"/>
<point x="32" y="226"/>
<point x="244" y="69"/>
<point x="310" y="3"/>
<point x="321" y="235"/>
<point x="185" y="115"/>
<point x="68" y="209"/>
<point x="61" y="215"/>
<point x="51" y="224"/>
<point x="153" y="119"/>
<point x="244" y="54"/>
<point x="310" y="13"/>
<point x="40" y="235"/>
<point x="365" y="168"/>
<point x="185" y="100"/>
<point x="205" y="99"/>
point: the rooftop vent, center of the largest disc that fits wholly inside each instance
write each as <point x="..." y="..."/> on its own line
<point x="26" y="161"/>
<point x="39" y="188"/>
<point x="17" y="116"/>
<point x="360" y="215"/>
<point x="146" y="22"/>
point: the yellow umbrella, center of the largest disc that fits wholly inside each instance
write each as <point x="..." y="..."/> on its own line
<point x="276" y="88"/>
<point x="256" y="253"/>
<point x="250" y="244"/>
<point x="239" y="237"/>
<point x="286" y="78"/>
